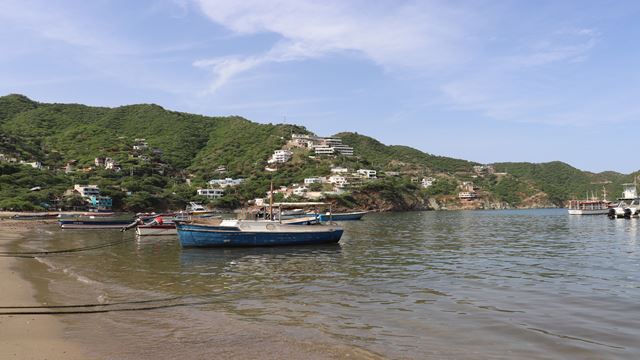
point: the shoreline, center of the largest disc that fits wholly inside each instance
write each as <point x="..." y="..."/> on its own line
<point x="39" y="337"/>
<point x="28" y="336"/>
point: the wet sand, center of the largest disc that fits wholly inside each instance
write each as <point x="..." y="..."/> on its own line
<point x="51" y="337"/>
<point x="27" y="336"/>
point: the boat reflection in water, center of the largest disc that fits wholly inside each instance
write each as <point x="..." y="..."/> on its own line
<point x="208" y="261"/>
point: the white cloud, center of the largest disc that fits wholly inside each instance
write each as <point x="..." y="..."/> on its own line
<point x="569" y="45"/>
<point x="422" y="35"/>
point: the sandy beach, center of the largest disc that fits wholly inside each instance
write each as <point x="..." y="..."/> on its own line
<point x="27" y="336"/>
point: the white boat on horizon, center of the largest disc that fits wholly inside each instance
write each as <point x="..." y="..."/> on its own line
<point x="591" y="206"/>
<point x="628" y="205"/>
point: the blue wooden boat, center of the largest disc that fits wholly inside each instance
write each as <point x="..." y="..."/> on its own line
<point x="233" y="233"/>
<point x="342" y="216"/>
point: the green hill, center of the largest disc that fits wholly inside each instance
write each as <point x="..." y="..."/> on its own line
<point x="184" y="146"/>
<point x="562" y="181"/>
<point x="397" y="157"/>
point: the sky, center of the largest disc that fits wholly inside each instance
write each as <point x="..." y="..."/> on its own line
<point x="487" y="81"/>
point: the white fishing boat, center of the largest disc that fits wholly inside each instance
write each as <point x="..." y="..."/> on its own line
<point x="156" y="229"/>
<point x="628" y="205"/>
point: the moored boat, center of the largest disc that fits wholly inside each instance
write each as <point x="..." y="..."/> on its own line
<point x="162" y="224"/>
<point x="233" y="233"/>
<point x="93" y="223"/>
<point x="156" y="229"/>
<point x="628" y="205"/>
<point x="588" y="207"/>
<point x="198" y="209"/>
<point x="591" y="206"/>
<point x="356" y="215"/>
<point x="34" y="216"/>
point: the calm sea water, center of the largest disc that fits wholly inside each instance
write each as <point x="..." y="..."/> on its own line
<point x="478" y="284"/>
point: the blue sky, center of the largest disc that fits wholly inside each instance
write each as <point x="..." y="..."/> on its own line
<point x="487" y="81"/>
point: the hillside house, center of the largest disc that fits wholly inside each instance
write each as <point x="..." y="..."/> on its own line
<point x="91" y="194"/>
<point x="467" y="195"/>
<point x="484" y="169"/>
<point x="86" y="190"/>
<point x="211" y="193"/>
<point x="300" y="191"/>
<point x="33" y="164"/>
<point x="428" y="181"/>
<point x="367" y="173"/>
<point x="338" y="181"/>
<point x="280" y="156"/>
<point x="111" y="164"/>
<point x="321" y="145"/>
<point x="225" y="182"/>
<point x="314" y="180"/>
<point x="339" y="170"/>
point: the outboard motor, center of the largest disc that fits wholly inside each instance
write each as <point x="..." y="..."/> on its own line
<point x="612" y="214"/>
<point x="627" y="213"/>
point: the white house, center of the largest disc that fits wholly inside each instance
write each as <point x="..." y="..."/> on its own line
<point x="87" y="190"/>
<point x="324" y="150"/>
<point x="211" y="193"/>
<point x="34" y="164"/>
<point x="367" y="174"/>
<point x="339" y="170"/>
<point x="280" y="156"/>
<point x="467" y="195"/>
<point x="300" y="191"/>
<point x="111" y="164"/>
<point x="314" y="180"/>
<point x="226" y="182"/>
<point x="338" y="180"/>
<point x="428" y="181"/>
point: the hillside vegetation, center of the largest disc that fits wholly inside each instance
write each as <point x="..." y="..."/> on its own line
<point x="186" y="150"/>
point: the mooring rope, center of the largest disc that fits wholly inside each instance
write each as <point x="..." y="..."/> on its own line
<point x="34" y="254"/>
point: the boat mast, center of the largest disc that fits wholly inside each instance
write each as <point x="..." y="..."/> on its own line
<point x="271" y="202"/>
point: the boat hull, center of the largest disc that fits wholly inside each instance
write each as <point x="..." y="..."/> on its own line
<point x="156" y="230"/>
<point x="341" y="217"/>
<point x="82" y="224"/>
<point x="207" y="236"/>
<point x="588" y="212"/>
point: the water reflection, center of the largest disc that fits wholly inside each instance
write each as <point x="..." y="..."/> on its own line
<point x="533" y="283"/>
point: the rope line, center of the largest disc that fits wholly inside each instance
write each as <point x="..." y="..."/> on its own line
<point x="33" y="254"/>
<point x="97" y="304"/>
<point x="98" y="311"/>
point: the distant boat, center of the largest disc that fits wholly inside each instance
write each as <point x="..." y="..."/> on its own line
<point x="156" y="229"/>
<point x="356" y="215"/>
<point x="233" y="233"/>
<point x="628" y="205"/>
<point x="34" y="216"/>
<point x="161" y="224"/>
<point x="592" y="206"/>
<point x="588" y="207"/>
<point x="94" y="223"/>
<point x="197" y="209"/>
